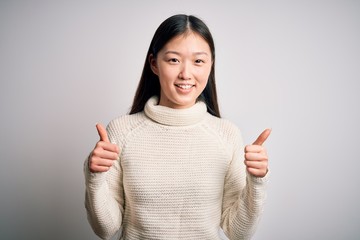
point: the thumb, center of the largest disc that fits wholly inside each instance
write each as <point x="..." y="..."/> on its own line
<point x="262" y="137"/>
<point x="102" y="132"/>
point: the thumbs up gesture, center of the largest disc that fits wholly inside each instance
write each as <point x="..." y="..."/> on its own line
<point x="256" y="158"/>
<point x="104" y="153"/>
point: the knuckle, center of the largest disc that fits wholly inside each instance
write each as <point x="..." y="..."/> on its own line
<point x="93" y="162"/>
<point x="96" y="152"/>
<point x="264" y="166"/>
<point x="98" y="144"/>
<point x="92" y="167"/>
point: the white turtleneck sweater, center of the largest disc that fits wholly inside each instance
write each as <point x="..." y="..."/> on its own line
<point x="180" y="175"/>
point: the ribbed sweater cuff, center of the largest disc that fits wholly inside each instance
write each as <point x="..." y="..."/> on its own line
<point x="259" y="180"/>
<point x="93" y="180"/>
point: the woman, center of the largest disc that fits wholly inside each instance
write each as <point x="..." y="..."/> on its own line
<point x="172" y="168"/>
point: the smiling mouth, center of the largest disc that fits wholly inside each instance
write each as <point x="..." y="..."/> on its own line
<point x="184" y="86"/>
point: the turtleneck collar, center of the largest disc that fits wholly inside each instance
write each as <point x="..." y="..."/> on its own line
<point x="174" y="117"/>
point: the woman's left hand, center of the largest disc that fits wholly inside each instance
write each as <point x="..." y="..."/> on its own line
<point x="256" y="158"/>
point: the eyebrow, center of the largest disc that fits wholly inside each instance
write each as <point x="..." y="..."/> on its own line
<point x="177" y="53"/>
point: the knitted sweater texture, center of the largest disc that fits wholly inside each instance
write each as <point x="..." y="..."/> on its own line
<point x="180" y="175"/>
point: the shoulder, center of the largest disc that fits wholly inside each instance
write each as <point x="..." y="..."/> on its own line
<point x="127" y="121"/>
<point x="120" y="127"/>
<point x="221" y="125"/>
<point x="225" y="129"/>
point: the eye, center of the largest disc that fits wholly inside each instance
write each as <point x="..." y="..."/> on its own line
<point x="173" y="60"/>
<point x="199" y="61"/>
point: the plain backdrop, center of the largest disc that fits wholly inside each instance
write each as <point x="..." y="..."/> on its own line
<point x="293" y="66"/>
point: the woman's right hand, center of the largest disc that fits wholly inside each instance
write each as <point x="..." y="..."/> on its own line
<point x="104" y="153"/>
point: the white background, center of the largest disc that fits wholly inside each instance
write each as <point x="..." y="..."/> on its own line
<point x="293" y="66"/>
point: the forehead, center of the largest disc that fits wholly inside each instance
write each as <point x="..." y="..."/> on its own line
<point x="187" y="42"/>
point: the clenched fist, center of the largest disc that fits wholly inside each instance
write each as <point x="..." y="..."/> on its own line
<point x="256" y="158"/>
<point x="104" y="153"/>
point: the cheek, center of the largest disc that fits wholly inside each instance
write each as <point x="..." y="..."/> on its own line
<point x="166" y="74"/>
<point x="166" y="80"/>
<point x="203" y="75"/>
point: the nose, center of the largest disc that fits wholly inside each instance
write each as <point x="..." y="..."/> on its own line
<point x="185" y="72"/>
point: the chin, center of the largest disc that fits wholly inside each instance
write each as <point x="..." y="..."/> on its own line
<point x="186" y="104"/>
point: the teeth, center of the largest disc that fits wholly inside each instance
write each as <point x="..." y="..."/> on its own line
<point x="184" y="86"/>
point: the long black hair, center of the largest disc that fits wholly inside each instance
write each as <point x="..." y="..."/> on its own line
<point x="149" y="82"/>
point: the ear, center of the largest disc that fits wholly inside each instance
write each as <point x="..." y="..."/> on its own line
<point x="153" y="64"/>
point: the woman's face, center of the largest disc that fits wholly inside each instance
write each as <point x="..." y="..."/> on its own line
<point x="183" y="66"/>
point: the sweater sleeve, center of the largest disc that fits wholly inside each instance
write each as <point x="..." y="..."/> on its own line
<point x="243" y="197"/>
<point x="104" y="198"/>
